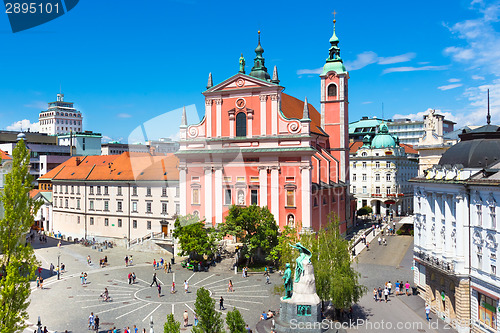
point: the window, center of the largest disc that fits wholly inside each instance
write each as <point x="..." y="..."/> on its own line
<point x="493" y="217"/>
<point x="227" y="197"/>
<point x="254" y="197"/>
<point x="120" y="223"/>
<point x="119" y="190"/>
<point x="354" y="165"/>
<point x="164" y="208"/>
<point x="354" y="189"/>
<point x="364" y="189"/>
<point x="227" y="179"/>
<point x="106" y="222"/>
<point x="377" y="177"/>
<point x="77" y="203"/>
<point x="290" y="198"/>
<point x="177" y="208"/>
<point x="91" y="221"/>
<point x="177" y="191"/>
<point x="134" y="190"/>
<point x="91" y="204"/>
<point x="241" y="124"/>
<point x="66" y="189"/>
<point x="388" y="190"/>
<point x="148" y="207"/>
<point x="91" y="190"/>
<point x="134" y="224"/>
<point x="377" y="165"/>
<point x="105" y="190"/>
<point x="364" y="165"/>
<point x="134" y="206"/>
<point x="148" y="191"/>
<point x="77" y="189"/>
<point x="377" y="190"/>
<point x="148" y="225"/>
<point x="364" y="154"/>
<point x="66" y="203"/>
<point x="332" y="90"/>
<point x="493" y="269"/>
<point x="106" y="205"/>
<point x="479" y="212"/>
<point x="196" y="196"/>
<point x="388" y="177"/>
<point x="487" y="310"/>
<point x="364" y="177"/>
<point x="163" y="191"/>
<point x="353" y="177"/>
<point x="98" y="190"/>
<point x="78" y="219"/>
<point x="119" y="206"/>
<point x="72" y="189"/>
<point x="388" y="165"/>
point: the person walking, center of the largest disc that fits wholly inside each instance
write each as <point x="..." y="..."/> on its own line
<point x="389" y="286"/>
<point x="89" y="262"/>
<point x="159" y="289"/>
<point x="129" y="278"/>
<point x="133" y="277"/>
<point x="186" y="286"/>
<point x="375" y="292"/>
<point x="91" y="321"/>
<point x="379" y="293"/>
<point x="186" y="318"/>
<point x="126" y="261"/>
<point x="41" y="282"/>
<point x="427" y="312"/>
<point x="379" y="240"/>
<point x="221" y="303"/>
<point x="85" y="278"/>
<point x="154" y="264"/>
<point x="96" y="323"/>
<point x="386" y="294"/>
<point x="165" y="267"/>
<point x="51" y="269"/>
<point x="154" y="280"/>
<point x="195" y="319"/>
<point x="172" y="291"/>
<point x="407" y="286"/>
<point x="169" y="268"/>
<point x="230" y="286"/>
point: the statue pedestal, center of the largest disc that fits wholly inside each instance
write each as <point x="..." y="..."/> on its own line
<point x="301" y="312"/>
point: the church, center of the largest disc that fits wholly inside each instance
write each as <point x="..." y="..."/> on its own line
<point x="258" y="145"/>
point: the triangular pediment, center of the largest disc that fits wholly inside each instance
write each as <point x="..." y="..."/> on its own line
<point x="240" y="81"/>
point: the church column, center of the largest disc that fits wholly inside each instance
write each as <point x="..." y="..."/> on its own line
<point x="306" y="198"/>
<point x="275" y="193"/>
<point x="183" y="189"/>
<point x="263" y="115"/>
<point x="250" y="123"/>
<point x="218" y="115"/>
<point x="231" y="122"/>
<point x="208" y="114"/>
<point x="263" y="186"/>
<point x="274" y="114"/>
<point x="208" y="194"/>
<point x="218" y="194"/>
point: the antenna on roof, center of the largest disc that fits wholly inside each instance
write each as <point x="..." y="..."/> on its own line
<point x="488" y="117"/>
<point x="382" y="110"/>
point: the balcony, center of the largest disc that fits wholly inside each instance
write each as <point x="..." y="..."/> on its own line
<point x="437" y="263"/>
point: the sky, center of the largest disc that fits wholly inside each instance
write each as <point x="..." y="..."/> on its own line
<point x="130" y="63"/>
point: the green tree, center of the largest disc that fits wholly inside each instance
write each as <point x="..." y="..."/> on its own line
<point x="209" y="320"/>
<point x="283" y="253"/>
<point x="18" y="260"/>
<point x="171" y="326"/>
<point x="254" y="226"/>
<point x="235" y="322"/>
<point x="336" y="279"/>
<point x="194" y="237"/>
<point x="364" y="211"/>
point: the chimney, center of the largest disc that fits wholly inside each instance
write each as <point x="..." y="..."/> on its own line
<point x="78" y="161"/>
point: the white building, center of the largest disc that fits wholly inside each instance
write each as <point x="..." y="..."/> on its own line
<point x="456" y="233"/>
<point x="380" y="170"/>
<point x="5" y="167"/>
<point x="60" y="117"/>
<point x="82" y="143"/>
<point x="121" y="197"/>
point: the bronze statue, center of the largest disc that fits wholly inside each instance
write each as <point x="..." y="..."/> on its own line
<point x="304" y="257"/>
<point x="288" y="283"/>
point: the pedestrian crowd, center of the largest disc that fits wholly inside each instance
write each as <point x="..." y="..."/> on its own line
<point x="401" y="288"/>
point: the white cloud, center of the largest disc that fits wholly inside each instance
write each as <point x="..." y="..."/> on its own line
<point x="454" y="80"/>
<point x="39" y="105"/>
<point x="23" y="125"/>
<point x="396" y="59"/>
<point x="477" y="77"/>
<point x="369" y="102"/>
<point x="123" y="115"/>
<point x="362" y="60"/>
<point x="423" y="62"/>
<point x="420" y="115"/>
<point x="450" y="86"/>
<point x="413" y="69"/>
<point x="310" y="71"/>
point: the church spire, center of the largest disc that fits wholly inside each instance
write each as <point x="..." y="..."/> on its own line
<point x="259" y="70"/>
<point x="210" y="83"/>
<point x="334" y="61"/>
<point x="488" y="117"/>
<point x="275" y="76"/>
<point x="184" y="117"/>
<point x="305" y="113"/>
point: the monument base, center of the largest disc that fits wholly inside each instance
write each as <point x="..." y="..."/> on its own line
<point x="299" y="317"/>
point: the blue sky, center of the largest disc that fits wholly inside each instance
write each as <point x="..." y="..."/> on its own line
<point x="126" y="62"/>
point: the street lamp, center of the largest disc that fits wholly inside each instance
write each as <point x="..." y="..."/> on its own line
<point x="39" y="325"/>
<point x="151" y="325"/>
<point x="58" y="266"/>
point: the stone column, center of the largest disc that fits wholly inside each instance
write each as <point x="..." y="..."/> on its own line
<point x="231" y="122"/>
<point x="218" y="194"/>
<point x="208" y="194"/>
<point x="305" y="190"/>
<point x="218" y="116"/>
<point x="263" y="186"/>
<point x="208" y="114"/>
<point x="263" y="115"/>
<point x="183" y="189"/>
<point x="250" y="123"/>
<point x="275" y="193"/>
<point x="274" y="114"/>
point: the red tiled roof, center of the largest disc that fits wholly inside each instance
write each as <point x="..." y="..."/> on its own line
<point x="4" y="155"/>
<point x="294" y="108"/>
<point x="34" y="192"/>
<point x="409" y="148"/>
<point x="124" y="167"/>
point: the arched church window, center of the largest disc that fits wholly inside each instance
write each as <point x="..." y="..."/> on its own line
<point x="241" y="124"/>
<point x="332" y="90"/>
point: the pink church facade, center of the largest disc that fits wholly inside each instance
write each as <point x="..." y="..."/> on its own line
<point x="258" y="145"/>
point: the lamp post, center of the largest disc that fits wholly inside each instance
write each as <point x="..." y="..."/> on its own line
<point x="151" y="325"/>
<point x="39" y="326"/>
<point x="59" y="266"/>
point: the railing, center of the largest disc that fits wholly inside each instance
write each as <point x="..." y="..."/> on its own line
<point x="150" y="236"/>
<point x="438" y="263"/>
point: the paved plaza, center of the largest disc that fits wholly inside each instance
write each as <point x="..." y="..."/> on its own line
<point x="66" y="304"/>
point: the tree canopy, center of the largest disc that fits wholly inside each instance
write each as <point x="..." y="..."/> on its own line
<point x="194" y="237"/>
<point x="282" y="253"/>
<point x="235" y="321"/>
<point x="209" y="320"/>
<point x="18" y="261"/>
<point x="171" y="325"/>
<point x="254" y="226"/>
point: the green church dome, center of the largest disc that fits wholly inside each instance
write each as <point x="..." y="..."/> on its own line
<point x="383" y="139"/>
